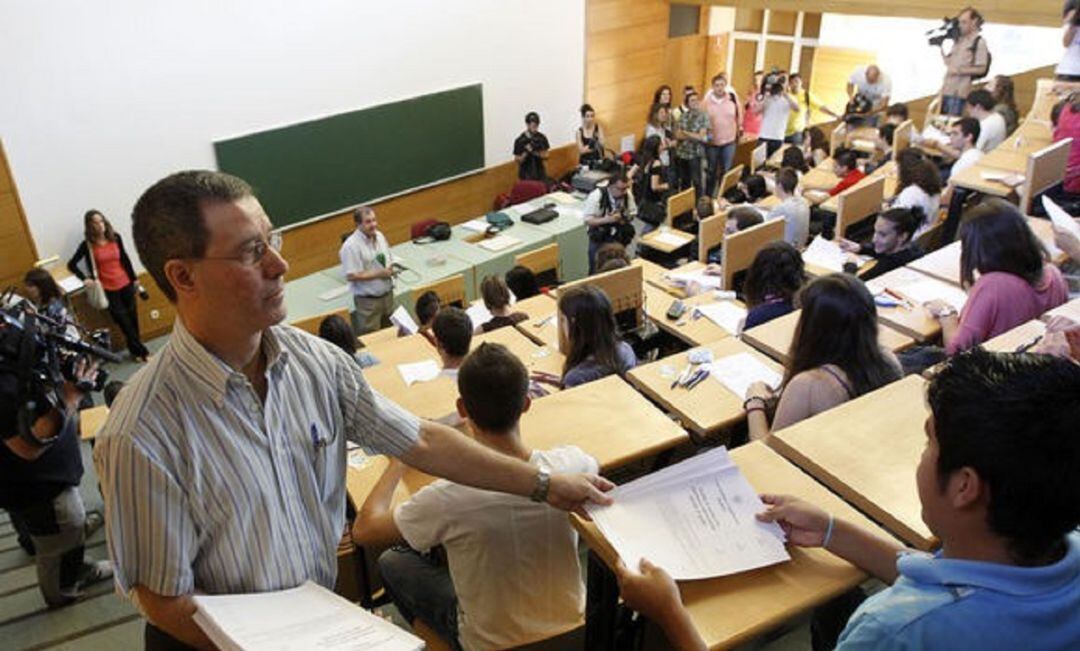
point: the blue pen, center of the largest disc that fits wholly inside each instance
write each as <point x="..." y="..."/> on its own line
<point x="315" y="440"/>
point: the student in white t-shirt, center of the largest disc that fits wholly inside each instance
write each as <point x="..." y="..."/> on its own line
<point x="963" y="135"/>
<point x="775" y="107"/>
<point x="992" y="129"/>
<point x="511" y="575"/>
<point x="918" y="186"/>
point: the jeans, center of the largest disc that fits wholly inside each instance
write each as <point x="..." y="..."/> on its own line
<point x="56" y="527"/>
<point x="422" y="589"/>
<point x="952" y="105"/>
<point x="770" y="145"/>
<point x="719" y="158"/>
<point x="689" y="170"/>
<point x="124" y="313"/>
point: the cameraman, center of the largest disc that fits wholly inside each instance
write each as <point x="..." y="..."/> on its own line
<point x="775" y="107"/>
<point x="40" y="470"/>
<point x="873" y="84"/>
<point x="609" y="215"/>
<point x="968" y="60"/>
<point x="531" y="150"/>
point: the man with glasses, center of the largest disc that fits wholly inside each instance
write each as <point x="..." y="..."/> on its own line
<point x="223" y="461"/>
<point x="365" y="257"/>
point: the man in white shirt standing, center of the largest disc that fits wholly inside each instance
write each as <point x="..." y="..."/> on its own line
<point x="992" y="127"/>
<point x="873" y="84"/>
<point x="365" y="257"/>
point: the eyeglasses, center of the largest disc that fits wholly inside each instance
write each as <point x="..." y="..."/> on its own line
<point x="253" y="252"/>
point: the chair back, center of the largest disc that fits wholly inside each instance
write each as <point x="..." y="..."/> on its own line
<point x="859" y="202"/>
<point x="451" y="291"/>
<point x="1045" y="168"/>
<point x="741" y="248"/>
<point x="729" y="180"/>
<point x="623" y="288"/>
<point x="680" y="203"/>
<point x="311" y="324"/>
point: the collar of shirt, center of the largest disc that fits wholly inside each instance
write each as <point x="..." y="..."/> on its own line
<point x="211" y="370"/>
<point x="1006" y="579"/>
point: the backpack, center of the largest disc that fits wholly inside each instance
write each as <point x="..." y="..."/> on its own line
<point x="438" y="231"/>
<point x="499" y="220"/>
<point x="989" y="59"/>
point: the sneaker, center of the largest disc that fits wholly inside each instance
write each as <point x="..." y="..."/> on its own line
<point x="95" y="572"/>
<point x="94" y="521"/>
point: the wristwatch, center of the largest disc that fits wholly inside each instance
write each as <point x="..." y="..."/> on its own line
<point x="543" y="483"/>
<point x="947" y="312"/>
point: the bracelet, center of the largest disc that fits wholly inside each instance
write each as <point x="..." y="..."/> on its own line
<point x="746" y="403"/>
<point x="828" y="532"/>
<point x="543" y="484"/>
<point x="750" y="410"/>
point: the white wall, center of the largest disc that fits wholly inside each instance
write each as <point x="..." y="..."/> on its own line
<point x="101" y="99"/>
<point x="916" y="68"/>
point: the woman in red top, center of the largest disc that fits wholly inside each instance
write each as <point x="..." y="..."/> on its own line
<point x="112" y="268"/>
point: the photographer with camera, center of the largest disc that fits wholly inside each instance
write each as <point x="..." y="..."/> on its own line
<point x="873" y="85"/>
<point x="967" y="61"/>
<point x="531" y="150"/>
<point x="775" y="106"/>
<point x="41" y="466"/>
<point x="609" y="213"/>
<point x="110" y="267"/>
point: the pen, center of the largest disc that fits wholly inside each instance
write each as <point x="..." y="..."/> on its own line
<point x="1023" y="348"/>
<point x="704" y="373"/>
<point x="903" y="301"/>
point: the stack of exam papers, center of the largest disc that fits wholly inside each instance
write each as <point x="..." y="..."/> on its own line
<point x="695" y="519"/>
<point x="725" y="314"/>
<point x="825" y="254"/>
<point x="424" y="371"/>
<point x="737" y="372"/>
<point x="305" y="617"/>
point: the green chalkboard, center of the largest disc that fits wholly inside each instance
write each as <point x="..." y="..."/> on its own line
<point x="323" y="166"/>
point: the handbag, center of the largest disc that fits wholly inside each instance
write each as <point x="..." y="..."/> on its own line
<point x="652" y="212"/>
<point x="95" y="294"/>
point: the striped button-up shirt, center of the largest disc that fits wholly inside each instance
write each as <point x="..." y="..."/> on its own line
<point x="207" y="488"/>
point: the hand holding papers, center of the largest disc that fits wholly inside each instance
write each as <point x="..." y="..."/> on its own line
<point x="305" y="617"/>
<point x="424" y="371"/>
<point x="696" y="519"/>
<point x="825" y="254"/>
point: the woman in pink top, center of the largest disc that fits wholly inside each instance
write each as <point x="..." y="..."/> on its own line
<point x="1068" y="126"/>
<point x="751" y="122"/>
<point x="111" y="267"/>
<point x="1016" y="281"/>
<point x="722" y="107"/>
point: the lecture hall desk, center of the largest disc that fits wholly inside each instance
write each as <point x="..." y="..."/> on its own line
<point x="867" y="451"/>
<point x="692" y="330"/>
<point x="91" y="420"/>
<point x="1070" y="310"/>
<point x="709" y="407"/>
<point x="775" y="337"/>
<point x="731" y="610"/>
<point x="914" y="321"/>
<point x="1022" y="336"/>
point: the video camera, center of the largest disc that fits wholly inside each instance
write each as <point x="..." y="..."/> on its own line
<point x="948" y="30"/>
<point x="38" y="354"/>
<point x="773" y="83"/>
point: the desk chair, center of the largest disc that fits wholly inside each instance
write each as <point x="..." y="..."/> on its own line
<point x="543" y="262"/>
<point x="857" y="203"/>
<point x="729" y="180"/>
<point x="741" y="248"/>
<point x="902" y="137"/>
<point x="1045" y="168"/>
<point x="680" y="204"/>
<point x="710" y="235"/>
<point x="931" y="239"/>
<point x="623" y="288"/>
<point x="451" y="291"/>
<point x="758" y="158"/>
<point x="837" y="139"/>
<point x="311" y="324"/>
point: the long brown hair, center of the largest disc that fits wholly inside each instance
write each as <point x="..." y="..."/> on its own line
<point x="591" y="325"/>
<point x="43" y="281"/>
<point x="995" y="237"/>
<point x="88" y="229"/>
<point x="838" y="326"/>
<point x="1004" y="91"/>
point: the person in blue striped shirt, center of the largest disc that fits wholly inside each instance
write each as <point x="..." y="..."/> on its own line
<point x="222" y="463"/>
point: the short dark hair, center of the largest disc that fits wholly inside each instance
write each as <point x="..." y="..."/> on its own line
<point x="495" y="293"/>
<point x="167" y="221"/>
<point x="610" y="251"/>
<point x="970" y="127"/>
<point x="787" y="179"/>
<point x="359" y="212"/>
<point x="777" y="271"/>
<point x="982" y="98"/>
<point x="914" y="169"/>
<point x="846" y="158"/>
<point x="493" y="384"/>
<point x="817" y="139"/>
<point x="427" y="306"/>
<point x="453" y="330"/>
<point x="745" y="217"/>
<point x="905" y="220"/>
<point x="756" y="188"/>
<point x="718" y="76"/>
<point x="337" y="331"/>
<point x="886" y="132"/>
<point x="1012" y="419"/>
<point x="898" y="109"/>
<point x="974" y="13"/>
<point x="522" y="281"/>
<point x="533" y="117"/>
<point x="994" y="236"/>
<point x="793" y="157"/>
<point x="734" y="195"/>
<point x="586" y="108"/>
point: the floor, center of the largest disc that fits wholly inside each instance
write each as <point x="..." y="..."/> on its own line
<point x="103" y="620"/>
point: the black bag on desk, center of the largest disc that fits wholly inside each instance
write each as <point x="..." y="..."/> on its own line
<point x="540" y="216"/>
<point x="438" y="231"/>
<point x="652" y="212"/>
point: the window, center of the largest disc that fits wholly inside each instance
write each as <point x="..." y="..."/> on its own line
<point x="684" y="20"/>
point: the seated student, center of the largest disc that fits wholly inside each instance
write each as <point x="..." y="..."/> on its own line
<point x="733" y="196"/>
<point x="997" y="482"/>
<point x="496" y="297"/>
<point x="611" y="251"/>
<point x="1016" y="281"/>
<point x="815" y="146"/>
<point x="793" y="208"/>
<point x="741" y="218"/>
<point x="511" y="575"/>
<point x="775" y="276"/>
<point x="1002" y="90"/>
<point x="522" y="281"/>
<point x="754" y="187"/>
<point x="704" y="208"/>
<point x="991" y="123"/>
<point x="834" y="357"/>
<point x="794" y="158"/>
<point x="893" y="244"/>
<point x="963" y="135"/>
<point x="883" y="151"/>
<point x="587" y="336"/>
<point x="896" y="114"/>
<point x="427" y="306"/>
<point x="846" y="167"/>
<point x="1067" y="125"/>
<point x="453" y="332"/>
<point x="337" y="331"/>
<point x="918" y="186"/>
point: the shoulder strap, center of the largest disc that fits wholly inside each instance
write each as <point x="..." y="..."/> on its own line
<point x="841" y="381"/>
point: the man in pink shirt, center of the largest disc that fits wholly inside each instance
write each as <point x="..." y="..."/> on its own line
<point x="722" y="107"/>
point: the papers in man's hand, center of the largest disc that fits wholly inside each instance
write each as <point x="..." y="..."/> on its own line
<point x="71" y="284"/>
<point x="825" y="254"/>
<point x="738" y="372"/>
<point x="695" y="519"/>
<point x="1060" y="218"/>
<point x="305" y="617"/>
<point x="424" y="371"/>
<point x="331" y="294"/>
<point x="703" y="280"/>
<point x="934" y="134"/>
<point x="404" y="321"/>
<point x="500" y="242"/>
<point x="478" y="225"/>
<point x="671" y="238"/>
<point x="929" y="289"/>
<point x="725" y="314"/>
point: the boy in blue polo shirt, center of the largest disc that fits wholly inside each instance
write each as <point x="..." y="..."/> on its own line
<point x="999" y="486"/>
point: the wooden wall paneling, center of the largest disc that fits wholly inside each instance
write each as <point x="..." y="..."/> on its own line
<point x="684" y="62"/>
<point x="997" y="11"/>
<point x="621" y="42"/>
<point x="742" y="66"/>
<point x="832" y="68"/>
<point x="602" y="15"/>
<point x="782" y="23"/>
<point x="643" y="63"/>
<point x="778" y="55"/>
<point x="749" y="19"/>
<point x="811" y="25"/>
<point x="716" y="56"/>
<point x="18" y="253"/>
